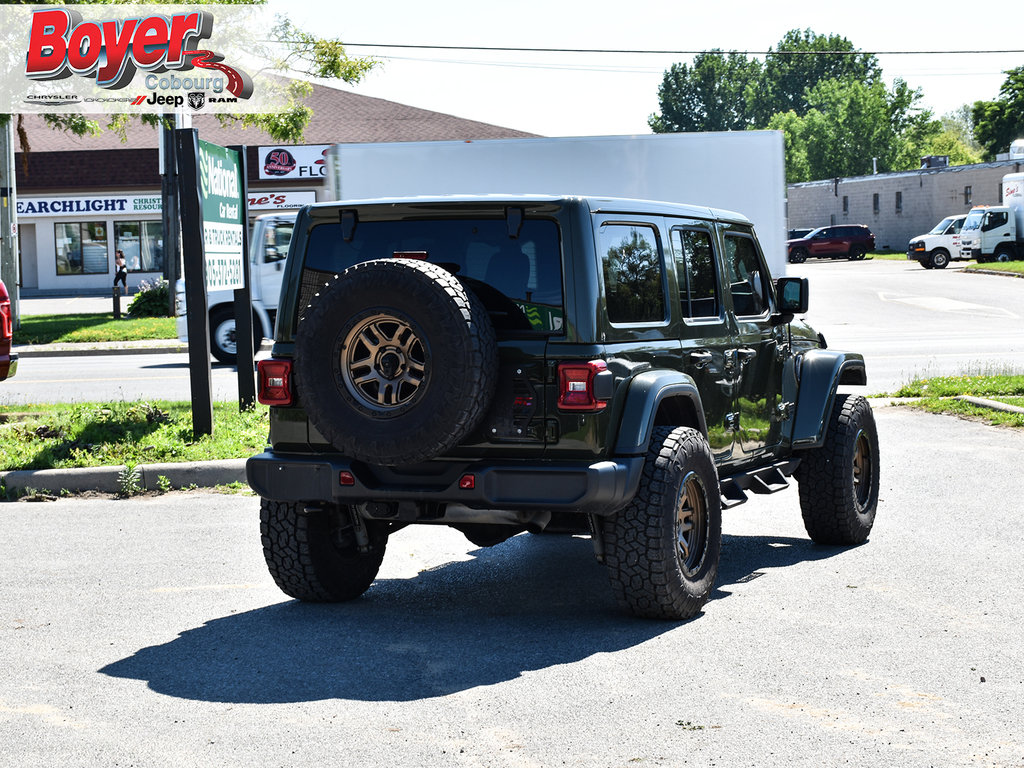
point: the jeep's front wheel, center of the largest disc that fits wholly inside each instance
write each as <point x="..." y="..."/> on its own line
<point x="798" y="256"/>
<point x="839" y="481"/>
<point x="313" y="555"/>
<point x="662" y="550"/>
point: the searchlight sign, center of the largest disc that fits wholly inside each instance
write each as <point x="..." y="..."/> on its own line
<point x="135" y="59"/>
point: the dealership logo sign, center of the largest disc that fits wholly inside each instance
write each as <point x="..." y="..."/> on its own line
<point x="73" y="55"/>
<point x="61" y="44"/>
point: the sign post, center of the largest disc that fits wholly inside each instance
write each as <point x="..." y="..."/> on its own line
<point x="244" y="352"/>
<point x="213" y="234"/>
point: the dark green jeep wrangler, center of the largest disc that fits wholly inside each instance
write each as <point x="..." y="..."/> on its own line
<point x="620" y="368"/>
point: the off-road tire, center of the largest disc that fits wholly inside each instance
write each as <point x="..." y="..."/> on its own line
<point x="395" y="361"/>
<point x="222" y="335"/>
<point x="939" y="258"/>
<point x="839" y="481"/>
<point x="312" y="555"/>
<point x="798" y="256"/>
<point x="653" y="574"/>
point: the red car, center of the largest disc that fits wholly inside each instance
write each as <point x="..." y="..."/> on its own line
<point x="8" y="359"/>
<point x="850" y="241"/>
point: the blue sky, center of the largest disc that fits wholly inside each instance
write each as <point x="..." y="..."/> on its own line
<point x="592" y="94"/>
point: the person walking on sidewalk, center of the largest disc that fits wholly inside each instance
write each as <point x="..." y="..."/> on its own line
<point x="120" y="270"/>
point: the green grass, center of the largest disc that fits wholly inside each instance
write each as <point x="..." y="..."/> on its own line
<point x="887" y="256"/>
<point x="101" y="434"/>
<point x="937" y="396"/>
<point x="1016" y="267"/>
<point x="98" y="327"/>
<point x="982" y="385"/>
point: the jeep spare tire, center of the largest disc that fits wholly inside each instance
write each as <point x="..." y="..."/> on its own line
<point x="395" y="361"/>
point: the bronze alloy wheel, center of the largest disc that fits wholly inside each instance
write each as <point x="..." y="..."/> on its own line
<point x="691" y="524"/>
<point x="383" y="362"/>
<point x="863" y="468"/>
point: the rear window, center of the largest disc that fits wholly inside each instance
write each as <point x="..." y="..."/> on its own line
<point x="518" y="280"/>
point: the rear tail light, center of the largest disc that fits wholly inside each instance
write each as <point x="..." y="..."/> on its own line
<point x="583" y="386"/>
<point x="275" y="382"/>
<point x="6" y="328"/>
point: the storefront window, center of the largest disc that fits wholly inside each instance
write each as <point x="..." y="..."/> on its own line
<point x="142" y="243"/>
<point x="81" y="248"/>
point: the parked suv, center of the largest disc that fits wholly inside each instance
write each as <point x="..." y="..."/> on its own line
<point x="851" y="241"/>
<point x="623" y="369"/>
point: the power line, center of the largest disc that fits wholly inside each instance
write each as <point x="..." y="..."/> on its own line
<point x="510" y="49"/>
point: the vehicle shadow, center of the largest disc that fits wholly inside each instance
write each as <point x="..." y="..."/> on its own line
<point x="528" y="604"/>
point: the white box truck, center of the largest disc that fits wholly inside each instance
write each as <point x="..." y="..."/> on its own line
<point x="268" y="247"/>
<point x="996" y="232"/>
<point x="741" y="171"/>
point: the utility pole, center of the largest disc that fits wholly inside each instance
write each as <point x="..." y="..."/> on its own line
<point x="9" y="220"/>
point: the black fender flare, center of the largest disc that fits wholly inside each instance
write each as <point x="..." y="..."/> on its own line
<point x="645" y="395"/>
<point x="821" y="372"/>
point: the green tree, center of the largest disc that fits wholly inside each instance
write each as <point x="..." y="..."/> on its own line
<point x="708" y="95"/>
<point x="798" y="63"/>
<point x="851" y="125"/>
<point x="997" y="123"/>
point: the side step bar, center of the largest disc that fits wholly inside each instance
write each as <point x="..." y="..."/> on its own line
<point x="770" y="479"/>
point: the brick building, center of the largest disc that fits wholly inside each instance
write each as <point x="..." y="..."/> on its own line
<point x="898" y="206"/>
<point x="81" y="199"/>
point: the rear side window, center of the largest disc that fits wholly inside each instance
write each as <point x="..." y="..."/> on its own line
<point x="746" y="274"/>
<point x="634" y="280"/>
<point x="518" y="280"/>
<point x="695" y="270"/>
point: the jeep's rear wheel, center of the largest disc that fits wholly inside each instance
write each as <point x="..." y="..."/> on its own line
<point x="839" y="481"/>
<point x="395" y="361"/>
<point x="662" y="550"/>
<point x="313" y="554"/>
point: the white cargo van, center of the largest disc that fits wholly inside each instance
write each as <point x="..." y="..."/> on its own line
<point x="268" y="248"/>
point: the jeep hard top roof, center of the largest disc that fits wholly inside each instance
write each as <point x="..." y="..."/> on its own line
<point x="596" y="204"/>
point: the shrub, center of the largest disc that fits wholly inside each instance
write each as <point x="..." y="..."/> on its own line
<point x="152" y="300"/>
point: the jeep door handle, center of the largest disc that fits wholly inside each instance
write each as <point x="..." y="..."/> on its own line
<point x="745" y="355"/>
<point x="700" y="359"/>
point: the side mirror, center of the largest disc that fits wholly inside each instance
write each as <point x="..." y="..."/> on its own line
<point x="792" y="294"/>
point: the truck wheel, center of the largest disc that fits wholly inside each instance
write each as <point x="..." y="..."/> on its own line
<point x="395" y="361"/>
<point x="1003" y="255"/>
<point x="662" y="550"/>
<point x="839" y="481"/>
<point x="312" y="555"/>
<point x="926" y="263"/>
<point x="939" y="258"/>
<point x="798" y="256"/>
<point x="222" y="335"/>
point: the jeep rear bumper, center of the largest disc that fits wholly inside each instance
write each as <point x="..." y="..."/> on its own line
<point x="592" y="488"/>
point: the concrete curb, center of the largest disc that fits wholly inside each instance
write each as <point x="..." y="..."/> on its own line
<point x="995" y="405"/>
<point x="998" y="272"/>
<point x="202" y="474"/>
<point x="111" y="348"/>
